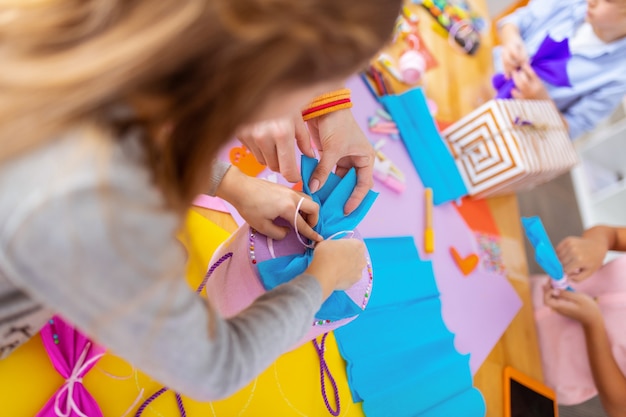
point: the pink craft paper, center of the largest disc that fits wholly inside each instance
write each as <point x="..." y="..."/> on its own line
<point x="477" y="308"/>
<point x="72" y="357"/>
<point x="211" y="203"/>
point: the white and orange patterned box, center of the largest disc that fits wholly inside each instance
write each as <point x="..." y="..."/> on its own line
<point x="506" y="146"/>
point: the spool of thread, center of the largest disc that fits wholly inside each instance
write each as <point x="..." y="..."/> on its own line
<point x="412" y="66"/>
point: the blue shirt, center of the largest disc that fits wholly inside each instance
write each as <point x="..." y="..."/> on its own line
<point x="598" y="76"/>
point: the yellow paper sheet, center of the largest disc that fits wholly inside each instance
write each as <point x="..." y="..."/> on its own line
<point x="289" y="387"/>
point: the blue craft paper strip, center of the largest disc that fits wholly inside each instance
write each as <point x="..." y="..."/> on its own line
<point x="401" y="359"/>
<point x="448" y="379"/>
<point x="469" y="403"/>
<point x="544" y="251"/>
<point x="331" y="198"/>
<point x="430" y="156"/>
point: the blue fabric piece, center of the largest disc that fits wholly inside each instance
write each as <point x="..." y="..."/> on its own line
<point x="549" y="63"/>
<point x="596" y="72"/>
<point x="544" y="251"/>
<point x="331" y="198"/>
<point x="400" y="356"/>
<point x="430" y="156"/>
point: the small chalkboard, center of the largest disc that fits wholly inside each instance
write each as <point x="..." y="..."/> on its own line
<point x="526" y="397"/>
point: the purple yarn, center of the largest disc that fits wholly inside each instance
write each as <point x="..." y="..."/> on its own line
<point x="212" y="269"/>
<point x="146" y="403"/>
<point x="324" y="369"/>
<point x="179" y="399"/>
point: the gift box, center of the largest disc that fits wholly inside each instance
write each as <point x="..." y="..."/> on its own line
<point x="506" y="146"/>
<point x="250" y="263"/>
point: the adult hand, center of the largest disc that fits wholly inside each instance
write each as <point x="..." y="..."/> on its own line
<point x="528" y="85"/>
<point x="575" y="305"/>
<point x="581" y="256"/>
<point x="272" y="144"/>
<point x="260" y="202"/>
<point x="338" y="264"/>
<point x="343" y="145"/>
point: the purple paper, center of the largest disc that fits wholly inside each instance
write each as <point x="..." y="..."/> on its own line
<point x="550" y="64"/>
<point x="477" y="308"/>
<point x="72" y="355"/>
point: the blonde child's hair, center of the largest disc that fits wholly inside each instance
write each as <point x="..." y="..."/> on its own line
<point x="208" y="64"/>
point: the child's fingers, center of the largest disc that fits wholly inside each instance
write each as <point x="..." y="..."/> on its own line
<point x="307" y="231"/>
<point x="521" y="81"/>
<point x="311" y="209"/>
<point x="268" y="228"/>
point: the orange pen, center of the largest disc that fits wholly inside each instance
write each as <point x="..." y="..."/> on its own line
<point x="429" y="232"/>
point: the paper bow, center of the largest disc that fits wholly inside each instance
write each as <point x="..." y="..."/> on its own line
<point x="331" y="198"/>
<point x="549" y="62"/>
<point x="72" y="355"/>
<point x="545" y="255"/>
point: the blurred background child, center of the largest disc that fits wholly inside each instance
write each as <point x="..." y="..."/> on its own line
<point x="583" y="333"/>
<point x="596" y="30"/>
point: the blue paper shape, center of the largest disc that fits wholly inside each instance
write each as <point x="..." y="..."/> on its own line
<point x="544" y="251"/>
<point x="331" y="198"/>
<point x="430" y="156"/>
<point x="549" y="62"/>
<point x="400" y="356"/>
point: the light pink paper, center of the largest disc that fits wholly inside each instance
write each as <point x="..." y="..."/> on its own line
<point x="477" y="308"/>
<point x="211" y="203"/>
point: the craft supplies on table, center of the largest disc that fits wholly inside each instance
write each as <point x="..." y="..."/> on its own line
<point x="399" y="365"/>
<point x="429" y="232"/>
<point x="506" y="146"/>
<point x="431" y="159"/>
<point x="456" y="21"/>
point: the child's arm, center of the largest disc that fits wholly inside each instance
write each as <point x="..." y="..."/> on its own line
<point x="260" y="202"/>
<point x="585" y="114"/>
<point x="582" y="256"/>
<point x="607" y="376"/>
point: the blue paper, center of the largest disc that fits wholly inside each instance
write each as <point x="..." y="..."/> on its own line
<point x="544" y="251"/>
<point x="430" y="156"/>
<point x="401" y="359"/>
<point x="332" y="197"/>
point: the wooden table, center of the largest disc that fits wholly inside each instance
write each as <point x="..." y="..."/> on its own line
<point x="458" y="85"/>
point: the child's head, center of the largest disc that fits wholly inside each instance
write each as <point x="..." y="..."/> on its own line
<point x="607" y="17"/>
<point x="205" y="66"/>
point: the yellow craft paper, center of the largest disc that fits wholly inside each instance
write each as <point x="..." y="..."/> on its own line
<point x="289" y="387"/>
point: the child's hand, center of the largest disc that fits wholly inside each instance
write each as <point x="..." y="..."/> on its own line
<point x="575" y="305"/>
<point x="338" y="264"/>
<point x="581" y="256"/>
<point x="514" y="55"/>
<point x="260" y="202"/>
<point x="528" y="85"/>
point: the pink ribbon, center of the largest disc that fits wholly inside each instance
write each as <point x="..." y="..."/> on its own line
<point x="72" y="355"/>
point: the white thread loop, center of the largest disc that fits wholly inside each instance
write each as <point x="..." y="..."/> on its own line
<point x="75" y="378"/>
<point x="270" y="242"/>
<point x="348" y="235"/>
<point x="295" y="225"/>
<point x="270" y="246"/>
